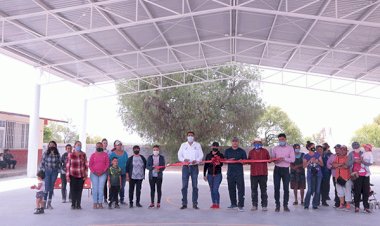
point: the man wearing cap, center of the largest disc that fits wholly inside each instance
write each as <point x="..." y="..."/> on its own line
<point x="326" y="175"/>
<point x="259" y="174"/>
<point x="330" y="162"/>
<point x="235" y="174"/>
<point x="122" y="158"/>
<point x="191" y="154"/>
<point x="285" y="155"/>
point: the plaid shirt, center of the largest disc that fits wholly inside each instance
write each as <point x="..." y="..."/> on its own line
<point x="76" y="165"/>
<point x="63" y="162"/>
<point x="50" y="161"/>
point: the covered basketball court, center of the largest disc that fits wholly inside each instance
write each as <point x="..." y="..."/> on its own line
<point x="328" y="45"/>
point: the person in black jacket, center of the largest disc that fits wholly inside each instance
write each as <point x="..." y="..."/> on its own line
<point x="214" y="173"/>
<point x="155" y="174"/>
<point x="136" y="165"/>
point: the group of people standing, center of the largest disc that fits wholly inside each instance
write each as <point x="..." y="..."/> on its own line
<point x="108" y="169"/>
<point x="350" y="173"/>
<point x="113" y="168"/>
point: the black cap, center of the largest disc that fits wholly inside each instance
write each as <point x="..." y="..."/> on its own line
<point x="338" y="146"/>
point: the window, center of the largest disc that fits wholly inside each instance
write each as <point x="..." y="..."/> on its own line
<point x="2" y="137"/>
<point x="16" y="135"/>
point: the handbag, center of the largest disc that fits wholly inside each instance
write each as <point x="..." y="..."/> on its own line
<point x="341" y="181"/>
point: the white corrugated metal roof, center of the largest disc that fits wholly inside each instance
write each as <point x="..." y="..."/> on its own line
<point x="90" y="41"/>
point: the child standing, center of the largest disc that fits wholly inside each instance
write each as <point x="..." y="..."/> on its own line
<point x="114" y="183"/>
<point x="40" y="187"/>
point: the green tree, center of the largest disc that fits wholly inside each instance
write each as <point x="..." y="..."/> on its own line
<point x="48" y="134"/>
<point x="93" y="139"/>
<point x="369" y="133"/>
<point x="214" y="111"/>
<point x="63" y="133"/>
<point x="275" y="121"/>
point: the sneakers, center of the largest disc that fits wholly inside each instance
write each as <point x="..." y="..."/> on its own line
<point x="212" y="206"/>
<point x="240" y="209"/>
<point x="325" y="204"/>
<point x="265" y="208"/>
<point x="39" y="211"/>
<point x="232" y="207"/>
<point x="254" y="208"/>
<point x="315" y="207"/>
<point x="183" y="207"/>
<point x="138" y="205"/>
<point x="217" y="206"/>
<point x="357" y="210"/>
<point x="117" y="206"/>
<point x="367" y="211"/>
<point x="277" y="209"/>
<point x="286" y="209"/>
<point x="195" y="207"/>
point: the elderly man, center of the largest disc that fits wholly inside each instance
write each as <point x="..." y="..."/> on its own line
<point x="259" y="174"/>
<point x="285" y="155"/>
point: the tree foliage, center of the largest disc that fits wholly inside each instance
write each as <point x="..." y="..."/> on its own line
<point x="215" y="111"/>
<point x="275" y="121"/>
<point x="93" y="139"/>
<point x="369" y="133"/>
<point x="61" y="133"/>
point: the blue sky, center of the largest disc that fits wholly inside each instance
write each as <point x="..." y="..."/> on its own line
<point x="311" y="110"/>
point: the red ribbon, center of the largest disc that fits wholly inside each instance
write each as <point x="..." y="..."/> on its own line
<point x="217" y="159"/>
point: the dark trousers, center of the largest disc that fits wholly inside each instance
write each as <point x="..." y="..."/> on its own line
<point x="325" y="187"/>
<point x="132" y="184"/>
<point x="154" y="183"/>
<point x="11" y="163"/>
<point x="361" y="186"/>
<point x="236" y="182"/>
<point x="64" y="187"/>
<point x="122" y="187"/>
<point x="76" y="188"/>
<point x="255" y="182"/>
<point x="281" y="173"/>
<point x="105" y="191"/>
<point x="336" y="197"/>
<point x="190" y="171"/>
<point x="114" y="192"/>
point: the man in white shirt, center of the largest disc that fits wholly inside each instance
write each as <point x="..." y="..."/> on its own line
<point x="190" y="153"/>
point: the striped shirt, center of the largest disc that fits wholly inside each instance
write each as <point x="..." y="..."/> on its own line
<point x="76" y="165"/>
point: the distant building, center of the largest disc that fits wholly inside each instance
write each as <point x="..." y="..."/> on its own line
<point x="14" y="134"/>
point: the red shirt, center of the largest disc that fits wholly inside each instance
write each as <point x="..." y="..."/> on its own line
<point x="259" y="168"/>
<point x="76" y="165"/>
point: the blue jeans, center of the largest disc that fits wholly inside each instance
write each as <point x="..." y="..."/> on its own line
<point x="313" y="188"/>
<point x="122" y="192"/>
<point x="281" y="173"/>
<point x="214" y="183"/>
<point x="50" y="178"/>
<point x="190" y="171"/>
<point x="98" y="187"/>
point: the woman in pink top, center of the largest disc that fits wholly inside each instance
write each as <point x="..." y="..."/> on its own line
<point x="99" y="164"/>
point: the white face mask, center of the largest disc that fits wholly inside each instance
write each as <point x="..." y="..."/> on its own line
<point x="156" y="153"/>
<point x="190" y="139"/>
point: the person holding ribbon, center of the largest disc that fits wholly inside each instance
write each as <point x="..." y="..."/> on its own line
<point x="285" y="155"/>
<point x="214" y="173"/>
<point x="235" y="174"/>
<point x="259" y="174"/>
<point x="190" y="154"/>
<point x="156" y="165"/>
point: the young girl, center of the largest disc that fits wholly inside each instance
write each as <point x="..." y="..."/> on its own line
<point x="40" y="187"/>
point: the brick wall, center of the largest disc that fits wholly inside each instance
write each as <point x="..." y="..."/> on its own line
<point x="21" y="156"/>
